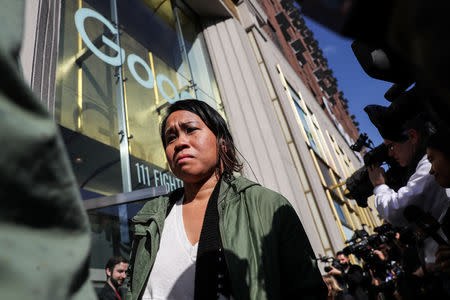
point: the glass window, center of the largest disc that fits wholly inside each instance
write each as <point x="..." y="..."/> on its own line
<point x="86" y="103"/>
<point x="325" y="172"/>
<point x="195" y="46"/>
<point x="348" y="232"/>
<point x="302" y="116"/>
<point x="160" y="64"/>
<point x="340" y="212"/>
<point x="157" y="49"/>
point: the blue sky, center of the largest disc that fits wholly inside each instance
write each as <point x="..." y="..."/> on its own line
<point x="357" y="86"/>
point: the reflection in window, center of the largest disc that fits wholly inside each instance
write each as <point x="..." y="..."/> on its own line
<point x="348" y="232"/>
<point x="325" y="172"/>
<point x="340" y="212"/>
<point x="156" y="71"/>
<point x="86" y="104"/>
<point x="302" y="116"/>
<point x="200" y="66"/>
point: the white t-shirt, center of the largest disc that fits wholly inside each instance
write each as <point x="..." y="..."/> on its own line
<point x="173" y="274"/>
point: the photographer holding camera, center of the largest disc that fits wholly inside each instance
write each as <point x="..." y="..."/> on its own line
<point x="350" y="276"/>
<point x="405" y="131"/>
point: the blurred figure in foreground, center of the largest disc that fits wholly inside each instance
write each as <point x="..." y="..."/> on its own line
<point x="44" y="230"/>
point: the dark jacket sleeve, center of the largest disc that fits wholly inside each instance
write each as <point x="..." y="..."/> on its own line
<point x="300" y="274"/>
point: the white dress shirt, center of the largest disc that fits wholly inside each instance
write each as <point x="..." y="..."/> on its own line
<point x="421" y="190"/>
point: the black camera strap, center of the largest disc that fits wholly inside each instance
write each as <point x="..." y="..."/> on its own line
<point x="211" y="273"/>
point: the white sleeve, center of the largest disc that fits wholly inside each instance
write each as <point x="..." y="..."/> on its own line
<point x="390" y="204"/>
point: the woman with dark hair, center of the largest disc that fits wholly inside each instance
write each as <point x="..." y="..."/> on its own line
<point x="221" y="236"/>
<point x="438" y="152"/>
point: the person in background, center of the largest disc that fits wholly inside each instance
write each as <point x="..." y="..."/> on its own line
<point x="334" y="290"/>
<point x="221" y="236"/>
<point x="116" y="273"/>
<point x="352" y="277"/>
<point x="438" y="152"/>
<point x="405" y="129"/>
<point x="407" y="147"/>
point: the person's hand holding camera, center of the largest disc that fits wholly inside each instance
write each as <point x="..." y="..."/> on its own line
<point x="380" y="254"/>
<point x="376" y="175"/>
<point x="334" y="271"/>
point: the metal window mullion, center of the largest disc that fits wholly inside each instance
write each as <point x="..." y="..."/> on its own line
<point x="121" y="114"/>
<point x="123" y="132"/>
<point x="183" y="50"/>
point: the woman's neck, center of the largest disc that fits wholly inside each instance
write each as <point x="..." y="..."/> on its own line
<point x="200" y="191"/>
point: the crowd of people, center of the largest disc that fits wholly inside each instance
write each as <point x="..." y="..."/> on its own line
<point x="227" y="237"/>
<point x="409" y="256"/>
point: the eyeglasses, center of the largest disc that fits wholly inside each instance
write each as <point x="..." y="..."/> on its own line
<point x="390" y="147"/>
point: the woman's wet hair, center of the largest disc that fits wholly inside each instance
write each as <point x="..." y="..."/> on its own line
<point x="215" y="122"/>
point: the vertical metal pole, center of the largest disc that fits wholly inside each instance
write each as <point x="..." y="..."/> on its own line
<point x="183" y="49"/>
<point x="123" y="132"/>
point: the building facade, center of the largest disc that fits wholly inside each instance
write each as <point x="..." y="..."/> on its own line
<point x="287" y="29"/>
<point x="107" y="69"/>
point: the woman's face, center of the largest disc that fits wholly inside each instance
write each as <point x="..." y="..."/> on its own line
<point x="440" y="167"/>
<point x="191" y="147"/>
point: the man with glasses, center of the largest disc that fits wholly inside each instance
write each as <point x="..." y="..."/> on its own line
<point x="420" y="190"/>
<point x="405" y="130"/>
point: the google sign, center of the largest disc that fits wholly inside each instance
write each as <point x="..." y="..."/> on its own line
<point x="82" y="14"/>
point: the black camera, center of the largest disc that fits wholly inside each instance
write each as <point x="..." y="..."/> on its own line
<point x="359" y="245"/>
<point x="332" y="261"/>
<point x="362" y="141"/>
<point x="358" y="184"/>
<point x="362" y="245"/>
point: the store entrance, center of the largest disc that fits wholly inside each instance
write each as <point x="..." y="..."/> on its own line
<point x="105" y="223"/>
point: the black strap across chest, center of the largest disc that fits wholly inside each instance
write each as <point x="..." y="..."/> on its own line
<point x="211" y="273"/>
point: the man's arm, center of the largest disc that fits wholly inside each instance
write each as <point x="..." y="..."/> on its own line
<point x="390" y="204"/>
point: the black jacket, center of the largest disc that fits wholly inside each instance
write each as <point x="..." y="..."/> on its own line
<point x="355" y="280"/>
<point x="107" y="293"/>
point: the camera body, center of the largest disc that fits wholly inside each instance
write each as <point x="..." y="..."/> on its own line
<point x="332" y="261"/>
<point x="362" y="245"/>
<point x="335" y="264"/>
<point x="358" y="184"/>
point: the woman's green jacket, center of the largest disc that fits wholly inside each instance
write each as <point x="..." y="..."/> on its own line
<point x="266" y="248"/>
